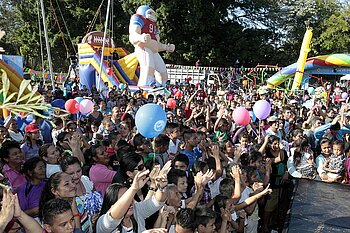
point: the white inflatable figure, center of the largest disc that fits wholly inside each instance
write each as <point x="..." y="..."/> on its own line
<point x="2" y="34"/>
<point x="144" y="35"/>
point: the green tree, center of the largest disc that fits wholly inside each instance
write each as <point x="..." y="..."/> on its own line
<point x="335" y="35"/>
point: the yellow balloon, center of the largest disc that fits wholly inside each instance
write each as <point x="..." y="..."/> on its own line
<point x="245" y="82"/>
<point x="324" y="94"/>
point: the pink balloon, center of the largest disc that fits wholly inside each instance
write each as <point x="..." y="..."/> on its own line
<point x="262" y="109"/>
<point x="72" y="106"/>
<point x="174" y="91"/>
<point x="86" y="106"/>
<point x="241" y="116"/>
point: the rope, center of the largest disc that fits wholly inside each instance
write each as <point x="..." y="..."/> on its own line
<point x="95" y="18"/>
<point x="41" y="42"/>
<point x="65" y="25"/>
<point x="59" y="27"/>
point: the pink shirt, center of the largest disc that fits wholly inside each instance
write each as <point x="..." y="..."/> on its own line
<point x="102" y="177"/>
<point x="16" y="179"/>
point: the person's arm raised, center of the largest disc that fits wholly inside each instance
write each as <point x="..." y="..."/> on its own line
<point x="74" y="144"/>
<point x="236" y="175"/>
<point x="207" y="115"/>
<point x="253" y="199"/>
<point x="30" y="224"/>
<point x="215" y="150"/>
<point x="189" y="101"/>
<point x="118" y="210"/>
<point x="152" y="177"/>
<point x="264" y="145"/>
<point x="7" y="209"/>
<point x="200" y="181"/>
<point x="162" y="182"/>
<point x="220" y="116"/>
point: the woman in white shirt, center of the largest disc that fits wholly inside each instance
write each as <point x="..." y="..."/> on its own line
<point x="120" y="213"/>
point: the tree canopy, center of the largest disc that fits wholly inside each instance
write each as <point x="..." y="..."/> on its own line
<point x="219" y="33"/>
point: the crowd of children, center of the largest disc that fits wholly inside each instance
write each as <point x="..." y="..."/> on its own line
<point x="203" y="173"/>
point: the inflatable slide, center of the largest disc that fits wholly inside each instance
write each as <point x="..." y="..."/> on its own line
<point x="123" y="70"/>
<point x="326" y="64"/>
<point x="13" y="74"/>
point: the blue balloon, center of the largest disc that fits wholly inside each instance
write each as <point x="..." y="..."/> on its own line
<point x="79" y="99"/>
<point x="150" y="120"/>
<point x="121" y="86"/>
<point x="58" y="103"/>
<point x="311" y="90"/>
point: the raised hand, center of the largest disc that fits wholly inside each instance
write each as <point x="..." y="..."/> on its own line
<point x="267" y="138"/>
<point x="215" y="150"/>
<point x="268" y="164"/>
<point x="140" y="180"/>
<point x="154" y="174"/>
<point x="7" y="209"/>
<point x="267" y="190"/>
<point x="235" y="171"/>
<point x="74" y="141"/>
<point x="209" y="175"/>
<point x="161" y="179"/>
<point x="17" y="208"/>
<point x="225" y="214"/>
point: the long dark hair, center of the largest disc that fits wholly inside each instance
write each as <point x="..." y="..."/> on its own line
<point x="110" y="198"/>
<point x="29" y="166"/>
<point x="47" y="194"/>
<point x="128" y="163"/>
<point x="300" y="145"/>
<point x="28" y="141"/>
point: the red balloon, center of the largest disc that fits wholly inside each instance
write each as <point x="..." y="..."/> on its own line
<point x="178" y="94"/>
<point x="241" y="116"/>
<point x="109" y="71"/>
<point x="72" y="106"/>
<point x="171" y="103"/>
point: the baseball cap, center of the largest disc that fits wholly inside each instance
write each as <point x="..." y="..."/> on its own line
<point x="272" y="119"/>
<point x="31" y="128"/>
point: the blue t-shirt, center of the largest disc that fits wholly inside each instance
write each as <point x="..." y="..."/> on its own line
<point x="192" y="156"/>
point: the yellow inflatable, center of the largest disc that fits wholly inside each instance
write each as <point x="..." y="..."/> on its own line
<point x="305" y="49"/>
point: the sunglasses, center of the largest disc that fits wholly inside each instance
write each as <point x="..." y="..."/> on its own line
<point x="139" y="167"/>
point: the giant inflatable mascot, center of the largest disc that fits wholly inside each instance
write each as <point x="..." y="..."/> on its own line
<point x="144" y="35"/>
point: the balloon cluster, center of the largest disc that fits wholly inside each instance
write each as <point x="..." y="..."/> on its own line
<point x="261" y="109"/>
<point x="73" y="106"/>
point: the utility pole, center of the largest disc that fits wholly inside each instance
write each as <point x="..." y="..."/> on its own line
<point x="47" y="44"/>
<point x="104" y="42"/>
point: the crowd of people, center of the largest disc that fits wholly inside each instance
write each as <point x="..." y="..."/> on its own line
<point x="203" y="173"/>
